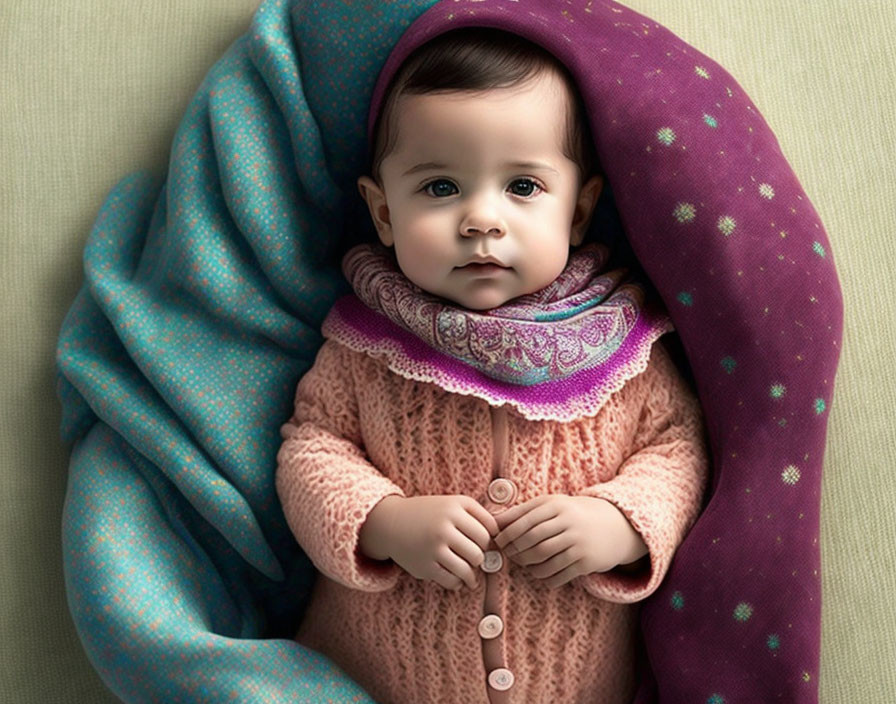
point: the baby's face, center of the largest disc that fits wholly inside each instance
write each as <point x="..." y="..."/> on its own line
<point x="478" y="198"/>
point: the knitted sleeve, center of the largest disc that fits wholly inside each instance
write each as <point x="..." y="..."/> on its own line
<point x="325" y="483"/>
<point x="660" y="484"/>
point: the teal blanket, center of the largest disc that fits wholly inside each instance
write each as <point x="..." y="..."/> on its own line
<point x="179" y="358"/>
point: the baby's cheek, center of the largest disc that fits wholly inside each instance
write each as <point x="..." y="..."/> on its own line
<point x="419" y="258"/>
<point x="544" y="263"/>
<point x="418" y="267"/>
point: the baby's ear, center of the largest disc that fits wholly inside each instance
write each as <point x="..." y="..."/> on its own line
<point x="379" y="210"/>
<point x="585" y="205"/>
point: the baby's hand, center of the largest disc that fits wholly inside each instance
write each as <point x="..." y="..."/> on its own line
<point x="441" y="537"/>
<point x="564" y="537"/>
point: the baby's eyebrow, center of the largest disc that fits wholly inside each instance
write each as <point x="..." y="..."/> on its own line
<point x="524" y="165"/>
<point x="532" y="166"/>
<point x="426" y="166"/>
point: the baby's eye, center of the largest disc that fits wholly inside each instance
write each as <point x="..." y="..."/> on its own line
<point x="524" y="187"/>
<point x="440" y="188"/>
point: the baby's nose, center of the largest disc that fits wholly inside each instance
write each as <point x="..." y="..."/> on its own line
<point x="483" y="219"/>
<point x="471" y="230"/>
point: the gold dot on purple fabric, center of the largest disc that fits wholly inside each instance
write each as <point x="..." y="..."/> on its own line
<point x="727" y="225"/>
<point x="666" y="135"/>
<point x="791" y="475"/>
<point x="685" y="212"/>
<point x="743" y="611"/>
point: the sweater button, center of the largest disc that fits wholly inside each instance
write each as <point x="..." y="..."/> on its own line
<point x="493" y="561"/>
<point x="491" y="626"/>
<point x="502" y="491"/>
<point x="500" y="679"/>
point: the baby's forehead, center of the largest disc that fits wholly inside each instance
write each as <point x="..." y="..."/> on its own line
<point x="534" y="110"/>
<point x="545" y="80"/>
<point x="544" y="99"/>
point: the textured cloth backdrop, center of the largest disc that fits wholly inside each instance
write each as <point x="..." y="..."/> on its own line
<point x="201" y="306"/>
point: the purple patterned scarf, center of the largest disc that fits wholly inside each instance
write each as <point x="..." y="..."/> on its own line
<point x="558" y="353"/>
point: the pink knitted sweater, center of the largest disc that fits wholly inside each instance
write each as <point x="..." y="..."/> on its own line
<point x="361" y="432"/>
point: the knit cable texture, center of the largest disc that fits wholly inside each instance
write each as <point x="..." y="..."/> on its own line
<point x="361" y="432"/>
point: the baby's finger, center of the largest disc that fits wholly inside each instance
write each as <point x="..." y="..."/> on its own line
<point x="469" y="550"/>
<point x="523" y="524"/>
<point x="481" y="514"/>
<point x="543" y="531"/>
<point x="507" y="517"/>
<point x="457" y="566"/>
<point x="471" y="530"/>
<point x="546" y="550"/>
<point x="559" y="562"/>
<point x="567" y="575"/>
<point x="445" y="578"/>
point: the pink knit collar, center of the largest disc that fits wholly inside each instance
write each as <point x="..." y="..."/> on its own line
<point x="557" y="353"/>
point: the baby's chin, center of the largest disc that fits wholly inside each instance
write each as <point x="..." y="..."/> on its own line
<point x="480" y="300"/>
<point x="481" y="295"/>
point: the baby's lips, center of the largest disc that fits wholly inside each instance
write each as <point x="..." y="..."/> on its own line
<point x="489" y="259"/>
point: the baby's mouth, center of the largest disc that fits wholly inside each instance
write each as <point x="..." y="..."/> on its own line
<point x="484" y="264"/>
<point x="482" y="268"/>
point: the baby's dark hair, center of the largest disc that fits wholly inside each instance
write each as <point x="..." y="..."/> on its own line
<point x="477" y="59"/>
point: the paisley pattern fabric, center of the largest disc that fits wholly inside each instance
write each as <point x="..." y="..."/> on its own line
<point x="554" y="354"/>
<point x="202" y="305"/>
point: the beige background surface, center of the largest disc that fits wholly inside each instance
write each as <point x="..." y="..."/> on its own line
<point x="94" y="89"/>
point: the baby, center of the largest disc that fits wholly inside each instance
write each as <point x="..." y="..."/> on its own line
<point x="491" y="460"/>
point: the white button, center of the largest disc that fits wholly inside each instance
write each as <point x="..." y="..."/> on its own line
<point x="491" y="626"/>
<point x="502" y="491"/>
<point x="493" y="561"/>
<point x="500" y="679"/>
